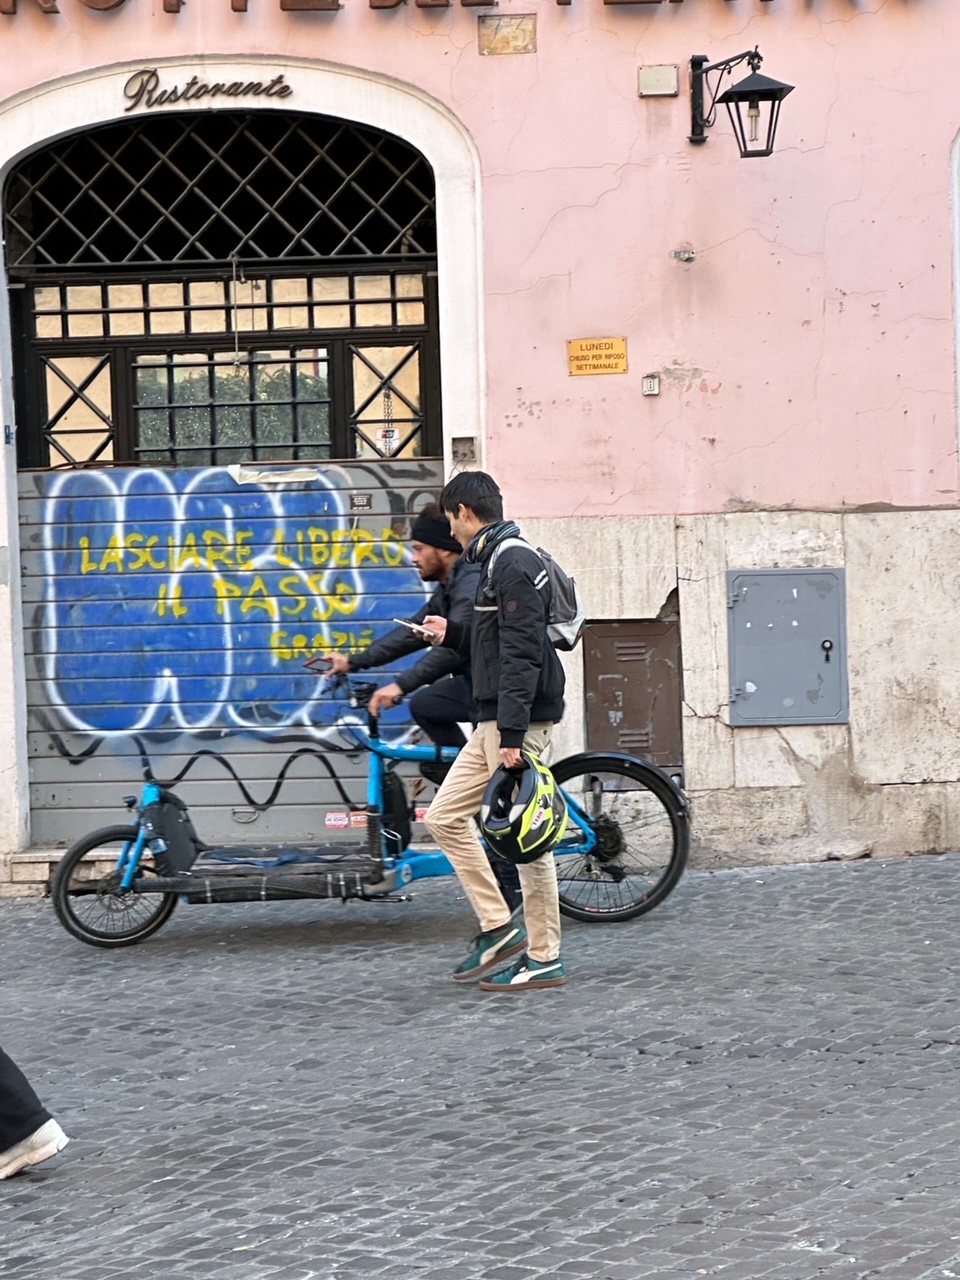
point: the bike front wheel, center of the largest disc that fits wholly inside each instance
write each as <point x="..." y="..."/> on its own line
<point x="628" y="837"/>
<point x="88" y="900"/>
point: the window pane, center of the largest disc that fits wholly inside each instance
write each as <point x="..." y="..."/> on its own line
<point x="331" y="288"/>
<point x="409" y="286"/>
<point x="409" y="313"/>
<point x="208" y="313"/>
<point x="191" y="379"/>
<point x="49" y="327"/>
<point x="79" y="426"/>
<point x="192" y="427"/>
<point x="82" y="300"/>
<point x="372" y="286"/>
<point x="331" y="317"/>
<point x="313" y="427"/>
<point x="167" y="295"/>
<point x="154" y="430"/>
<point x="47" y="299"/>
<point x="286" y="292"/>
<point x="271" y="375"/>
<point x="373" y="314"/>
<point x="126" y="309"/>
<point x="249" y="302"/>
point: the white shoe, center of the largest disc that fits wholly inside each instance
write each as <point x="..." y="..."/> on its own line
<point x="46" y="1142"/>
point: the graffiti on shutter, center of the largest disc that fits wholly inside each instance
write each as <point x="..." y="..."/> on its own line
<point x="173" y="611"/>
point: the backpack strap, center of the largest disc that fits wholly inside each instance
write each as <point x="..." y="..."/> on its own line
<point x="542" y="577"/>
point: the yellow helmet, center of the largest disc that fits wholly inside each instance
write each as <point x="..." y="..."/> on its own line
<point x="523" y="814"/>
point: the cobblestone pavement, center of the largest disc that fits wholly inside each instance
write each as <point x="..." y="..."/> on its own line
<point x="759" y="1079"/>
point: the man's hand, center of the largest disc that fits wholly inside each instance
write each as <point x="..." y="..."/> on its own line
<point x="387" y="695"/>
<point x="437" y="628"/>
<point x="510" y="757"/>
<point x="339" y="663"/>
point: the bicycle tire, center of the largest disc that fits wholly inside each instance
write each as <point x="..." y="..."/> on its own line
<point x="643" y="837"/>
<point x="89" y="906"/>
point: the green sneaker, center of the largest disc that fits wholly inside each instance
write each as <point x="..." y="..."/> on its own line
<point x="491" y="949"/>
<point x="527" y="975"/>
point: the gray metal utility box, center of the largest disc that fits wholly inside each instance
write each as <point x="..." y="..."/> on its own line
<point x="788" y="646"/>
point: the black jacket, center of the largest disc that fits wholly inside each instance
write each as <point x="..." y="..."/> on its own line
<point x="452" y="600"/>
<point x="517" y="676"/>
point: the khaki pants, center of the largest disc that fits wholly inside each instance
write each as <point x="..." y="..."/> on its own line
<point x="450" y="820"/>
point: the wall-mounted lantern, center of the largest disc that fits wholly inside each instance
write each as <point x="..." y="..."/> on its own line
<point x="753" y="104"/>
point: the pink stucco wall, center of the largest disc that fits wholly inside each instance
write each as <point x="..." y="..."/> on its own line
<point x="806" y="355"/>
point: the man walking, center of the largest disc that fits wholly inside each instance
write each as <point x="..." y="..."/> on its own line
<point x="518" y="684"/>
<point x="443" y="699"/>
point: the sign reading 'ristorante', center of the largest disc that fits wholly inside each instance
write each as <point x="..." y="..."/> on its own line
<point x="143" y="89"/>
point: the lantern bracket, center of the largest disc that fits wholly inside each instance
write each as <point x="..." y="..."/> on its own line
<point x="699" y="71"/>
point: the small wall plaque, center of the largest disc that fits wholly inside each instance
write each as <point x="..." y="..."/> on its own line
<point x="596" y="355"/>
<point x="659" y="82"/>
<point x="516" y="34"/>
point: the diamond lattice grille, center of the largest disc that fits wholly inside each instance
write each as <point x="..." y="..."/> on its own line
<point x="185" y="188"/>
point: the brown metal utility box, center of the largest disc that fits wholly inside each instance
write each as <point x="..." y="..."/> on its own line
<point x="632" y="680"/>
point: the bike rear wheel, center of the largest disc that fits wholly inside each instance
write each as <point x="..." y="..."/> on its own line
<point x="88" y="900"/>
<point x="637" y="819"/>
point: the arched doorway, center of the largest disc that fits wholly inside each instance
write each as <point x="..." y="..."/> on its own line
<point x="200" y="301"/>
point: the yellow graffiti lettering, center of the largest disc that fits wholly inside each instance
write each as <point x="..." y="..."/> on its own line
<point x="190" y="553"/>
<point x="277" y="639"/>
<point x="282" y="557"/>
<point x="87" y="565"/>
<point x="366" y="548"/>
<point x="319" y="548"/>
<point x="176" y="606"/>
<point x="346" y="598"/>
<point x="258" y="597"/>
<point x="292" y="586"/>
<point x="393" y="550"/>
<point x="113" y="555"/>
<point x="218" y="548"/>
<point x="342" y="550"/>
<point x="141" y="556"/>
<point x="287" y="646"/>
<point x="225" y="591"/>
<point x="244" y="553"/>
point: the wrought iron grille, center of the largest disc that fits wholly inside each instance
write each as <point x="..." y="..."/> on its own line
<point x="203" y="187"/>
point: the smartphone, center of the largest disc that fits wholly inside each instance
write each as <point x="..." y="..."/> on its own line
<point x="318" y="663"/>
<point x="414" y="626"/>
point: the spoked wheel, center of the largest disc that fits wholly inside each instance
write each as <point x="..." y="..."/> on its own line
<point x="88" y="900"/>
<point x="636" y="821"/>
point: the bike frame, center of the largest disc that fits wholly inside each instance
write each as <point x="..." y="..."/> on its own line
<point x="410" y="865"/>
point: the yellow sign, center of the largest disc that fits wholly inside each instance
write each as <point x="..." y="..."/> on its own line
<point x="597" y="355"/>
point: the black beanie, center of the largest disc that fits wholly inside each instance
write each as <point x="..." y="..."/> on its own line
<point x="435" y="532"/>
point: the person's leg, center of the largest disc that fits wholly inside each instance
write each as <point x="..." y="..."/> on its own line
<point x="451" y="820"/>
<point x="21" y="1111"/>
<point x="28" y="1132"/>
<point x="439" y="709"/>
<point x="542" y="965"/>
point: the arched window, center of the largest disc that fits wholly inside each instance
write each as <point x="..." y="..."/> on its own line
<point x="224" y="287"/>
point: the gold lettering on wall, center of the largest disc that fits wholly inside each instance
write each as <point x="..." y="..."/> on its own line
<point x="144" y="89"/>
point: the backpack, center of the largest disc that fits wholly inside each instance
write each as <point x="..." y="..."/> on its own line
<point x="565" y="612"/>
